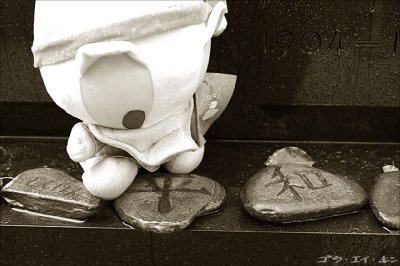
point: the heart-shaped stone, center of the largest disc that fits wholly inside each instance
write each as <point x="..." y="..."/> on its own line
<point x="385" y="199"/>
<point x="162" y="202"/>
<point x="286" y="191"/>
<point x="52" y="192"/>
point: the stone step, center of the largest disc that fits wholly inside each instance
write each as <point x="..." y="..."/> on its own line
<point x="229" y="236"/>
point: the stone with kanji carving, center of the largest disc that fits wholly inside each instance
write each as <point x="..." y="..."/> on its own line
<point x="161" y="202"/>
<point x="385" y="199"/>
<point x="51" y="192"/>
<point x="289" y="189"/>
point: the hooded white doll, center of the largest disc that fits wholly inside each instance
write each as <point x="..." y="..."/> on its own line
<point x="129" y="70"/>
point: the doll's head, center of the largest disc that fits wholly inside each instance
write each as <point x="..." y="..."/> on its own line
<point x="124" y="64"/>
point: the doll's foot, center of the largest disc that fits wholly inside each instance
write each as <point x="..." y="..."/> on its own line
<point x="109" y="178"/>
<point x="185" y="162"/>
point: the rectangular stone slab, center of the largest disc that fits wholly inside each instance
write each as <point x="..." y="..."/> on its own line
<point x="50" y="191"/>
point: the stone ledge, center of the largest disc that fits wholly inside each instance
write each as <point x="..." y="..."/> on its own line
<point x="239" y="121"/>
<point x="227" y="237"/>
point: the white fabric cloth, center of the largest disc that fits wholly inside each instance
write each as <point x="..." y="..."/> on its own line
<point x="154" y="145"/>
<point x="61" y="27"/>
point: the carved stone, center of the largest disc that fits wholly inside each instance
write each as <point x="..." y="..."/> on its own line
<point x="291" y="192"/>
<point x="50" y="191"/>
<point x="168" y="202"/>
<point x="385" y="199"/>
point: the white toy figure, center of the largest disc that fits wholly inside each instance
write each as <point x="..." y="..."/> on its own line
<point x="129" y="70"/>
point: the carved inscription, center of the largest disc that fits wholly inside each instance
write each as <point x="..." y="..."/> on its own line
<point x="52" y="192"/>
<point x="164" y="204"/>
<point x="55" y="186"/>
<point x="357" y="59"/>
<point x="286" y="183"/>
<point x="305" y="176"/>
<point x="311" y="42"/>
<point x="339" y="42"/>
<point x="309" y="184"/>
<point x="284" y="40"/>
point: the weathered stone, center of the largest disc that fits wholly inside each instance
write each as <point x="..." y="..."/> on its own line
<point x="50" y="191"/>
<point x="290" y="155"/>
<point x="291" y="192"/>
<point x="385" y="199"/>
<point x="168" y="202"/>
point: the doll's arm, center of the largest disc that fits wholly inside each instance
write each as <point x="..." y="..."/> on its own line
<point x="222" y="20"/>
<point x="81" y="143"/>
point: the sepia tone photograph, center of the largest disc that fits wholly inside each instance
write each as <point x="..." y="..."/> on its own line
<point x="199" y="132"/>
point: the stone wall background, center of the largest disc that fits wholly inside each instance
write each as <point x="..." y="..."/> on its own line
<point x="308" y="70"/>
<point x="305" y="52"/>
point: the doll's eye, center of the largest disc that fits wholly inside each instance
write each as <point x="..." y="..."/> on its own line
<point x="133" y="119"/>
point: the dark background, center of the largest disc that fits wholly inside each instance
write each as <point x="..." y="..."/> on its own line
<point x="307" y="70"/>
